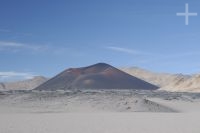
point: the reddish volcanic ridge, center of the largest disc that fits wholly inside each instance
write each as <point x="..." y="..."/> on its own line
<point x="98" y="76"/>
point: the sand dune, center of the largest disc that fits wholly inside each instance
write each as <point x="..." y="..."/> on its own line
<point x="80" y="101"/>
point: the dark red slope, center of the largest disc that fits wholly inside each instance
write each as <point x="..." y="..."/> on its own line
<point x="98" y="76"/>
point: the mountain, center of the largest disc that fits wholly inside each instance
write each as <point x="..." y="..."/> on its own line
<point x="159" y="79"/>
<point x="185" y="84"/>
<point x="168" y="82"/>
<point x="23" y="85"/>
<point x="98" y="76"/>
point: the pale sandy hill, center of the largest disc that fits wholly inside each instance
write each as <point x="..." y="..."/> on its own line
<point x="191" y="84"/>
<point x="23" y="85"/>
<point x="160" y="79"/>
<point x="166" y="81"/>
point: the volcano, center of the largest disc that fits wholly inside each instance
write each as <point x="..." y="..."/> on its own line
<point x="98" y="76"/>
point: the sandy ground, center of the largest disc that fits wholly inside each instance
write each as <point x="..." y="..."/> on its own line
<point x="100" y="123"/>
<point x="100" y="112"/>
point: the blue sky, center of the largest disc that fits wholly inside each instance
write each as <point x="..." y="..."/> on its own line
<point x="43" y="37"/>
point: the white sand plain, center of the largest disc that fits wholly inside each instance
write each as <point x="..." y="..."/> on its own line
<point x="100" y="123"/>
<point x="99" y="112"/>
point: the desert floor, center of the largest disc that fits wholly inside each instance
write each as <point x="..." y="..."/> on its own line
<point x="99" y="112"/>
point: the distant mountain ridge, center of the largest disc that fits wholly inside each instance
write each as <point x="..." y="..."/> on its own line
<point x="166" y="81"/>
<point x="160" y="79"/>
<point x="23" y="85"/>
<point x="97" y="76"/>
